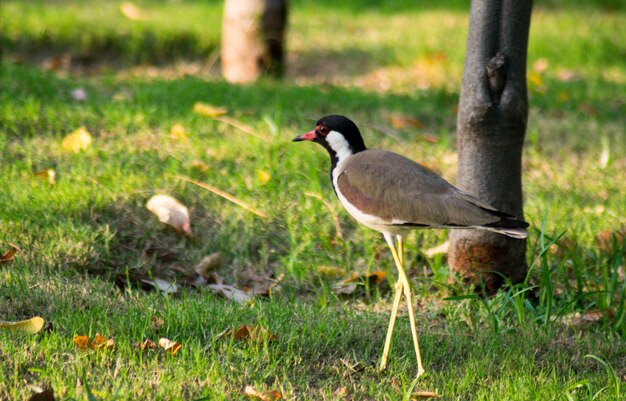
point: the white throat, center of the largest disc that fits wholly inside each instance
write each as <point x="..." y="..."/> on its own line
<point x="338" y="143"/>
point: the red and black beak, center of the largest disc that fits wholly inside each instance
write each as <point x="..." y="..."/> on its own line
<point x="307" y="136"/>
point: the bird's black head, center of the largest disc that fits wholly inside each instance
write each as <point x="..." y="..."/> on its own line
<point x="338" y="134"/>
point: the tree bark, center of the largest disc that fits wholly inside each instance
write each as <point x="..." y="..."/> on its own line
<point x="253" y="39"/>
<point x="491" y="124"/>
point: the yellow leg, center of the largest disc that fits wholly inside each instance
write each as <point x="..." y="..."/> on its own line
<point x="398" y="257"/>
<point x="392" y="321"/>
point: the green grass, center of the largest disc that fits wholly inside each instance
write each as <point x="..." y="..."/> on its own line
<point x="87" y="239"/>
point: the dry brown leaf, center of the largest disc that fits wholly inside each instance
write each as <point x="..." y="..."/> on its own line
<point x="581" y="319"/>
<point x="208" y="110"/>
<point x="349" y="285"/>
<point x="82" y="342"/>
<point x="148" y="344"/>
<point x="269" y="395"/>
<point x="132" y="12"/>
<point x="171" y="212"/>
<point x="421" y="394"/>
<point x="29" y="326"/>
<point x="47" y="175"/>
<point x="401" y="122"/>
<point x="251" y="333"/>
<point x="209" y="264"/>
<point x="9" y="255"/>
<point x="100" y="342"/>
<point x="607" y="238"/>
<point x="230" y="292"/>
<point x="77" y="140"/>
<point x="169" y="346"/>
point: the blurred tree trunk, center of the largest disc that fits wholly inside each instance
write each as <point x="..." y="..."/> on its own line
<point x="493" y="110"/>
<point x="253" y="39"/>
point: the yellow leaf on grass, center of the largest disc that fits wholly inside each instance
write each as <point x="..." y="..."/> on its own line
<point x="170" y="211"/>
<point x="169" y="346"/>
<point x="47" y="175"/>
<point x="100" y="342"/>
<point x="251" y="333"/>
<point x="82" y="342"/>
<point x="131" y="11"/>
<point x="30" y="326"/>
<point x="178" y="132"/>
<point x="77" y="140"/>
<point x="208" y="110"/>
<point x="264" y="176"/>
<point x="269" y="395"/>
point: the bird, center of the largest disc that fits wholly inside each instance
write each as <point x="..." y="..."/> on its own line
<point x="394" y="195"/>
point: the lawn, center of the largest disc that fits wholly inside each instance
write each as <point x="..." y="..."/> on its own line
<point x="86" y="240"/>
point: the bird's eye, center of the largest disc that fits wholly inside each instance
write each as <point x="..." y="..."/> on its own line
<point x="323" y="130"/>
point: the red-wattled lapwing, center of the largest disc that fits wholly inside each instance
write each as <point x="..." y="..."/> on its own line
<point x="392" y="194"/>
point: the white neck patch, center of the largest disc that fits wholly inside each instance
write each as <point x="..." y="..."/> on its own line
<point x="339" y="144"/>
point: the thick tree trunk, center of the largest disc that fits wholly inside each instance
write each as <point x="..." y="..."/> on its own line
<point x="493" y="111"/>
<point x="253" y="39"/>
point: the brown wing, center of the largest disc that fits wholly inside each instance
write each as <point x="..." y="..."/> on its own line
<point x="388" y="185"/>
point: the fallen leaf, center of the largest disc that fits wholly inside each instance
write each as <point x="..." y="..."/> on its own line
<point x="263" y="176"/>
<point x="169" y="346"/>
<point x="100" y="342"/>
<point x="230" y="292"/>
<point x="148" y="344"/>
<point x="430" y="138"/>
<point x="209" y="264"/>
<point x="47" y="175"/>
<point x="132" y="12"/>
<point x="9" y="255"/>
<point x="45" y="395"/>
<point x="163" y="285"/>
<point x="607" y="239"/>
<point x="268" y="289"/>
<point x="401" y="122"/>
<point x="29" y="326"/>
<point x="208" y="110"/>
<point x="82" y="342"/>
<point x="77" y="140"/>
<point x="349" y="285"/>
<point x="178" y="132"/>
<point x="79" y="94"/>
<point x="424" y="394"/>
<point x="263" y="395"/>
<point x="582" y="319"/>
<point x="171" y="212"/>
<point x="251" y="333"/>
